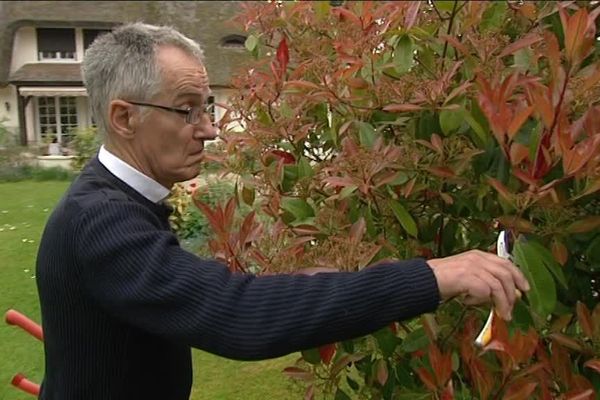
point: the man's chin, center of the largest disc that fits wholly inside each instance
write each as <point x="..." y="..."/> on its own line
<point x="190" y="172"/>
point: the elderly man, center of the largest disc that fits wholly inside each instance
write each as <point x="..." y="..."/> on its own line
<point x="122" y="303"/>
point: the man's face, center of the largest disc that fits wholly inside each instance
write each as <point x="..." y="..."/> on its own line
<point x="172" y="148"/>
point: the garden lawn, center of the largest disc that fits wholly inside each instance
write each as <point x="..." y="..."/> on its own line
<point x="24" y="209"/>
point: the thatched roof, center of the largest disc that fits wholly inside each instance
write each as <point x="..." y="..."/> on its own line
<point x="204" y="21"/>
<point x="47" y="72"/>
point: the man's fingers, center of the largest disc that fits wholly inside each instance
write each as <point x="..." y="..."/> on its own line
<point x="500" y="299"/>
<point x="481" y="276"/>
<point x="477" y="291"/>
<point x="483" y="287"/>
<point x="505" y="277"/>
<point x="518" y="277"/>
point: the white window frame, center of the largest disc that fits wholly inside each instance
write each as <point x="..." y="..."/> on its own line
<point x="57" y="116"/>
<point x="60" y="56"/>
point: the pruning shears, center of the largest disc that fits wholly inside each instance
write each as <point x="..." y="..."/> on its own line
<point x="504" y="246"/>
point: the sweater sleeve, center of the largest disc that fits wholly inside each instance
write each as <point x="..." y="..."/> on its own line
<point x="139" y="274"/>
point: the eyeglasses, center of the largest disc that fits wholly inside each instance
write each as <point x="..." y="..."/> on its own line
<point x="193" y="115"/>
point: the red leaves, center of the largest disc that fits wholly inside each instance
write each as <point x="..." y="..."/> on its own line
<point x="593" y="364"/>
<point x="501" y="189"/>
<point x="585" y="320"/>
<point x="494" y="102"/>
<point x="559" y="251"/>
<point x="412" y="12"/>
<point x="518" y="121"/>
<point x="231" y="246"/>
<point x="521" y="43"/>
<point x="566" y="341"/>
<point x="580" y="32"/>
<point x="520" y="390"/>
<point x="577" y="157"/>
<point x="441" y="363"/>
<point x="220" y="219"/>
<point x="402" y="107"/>
<point x="326" y="352"/>
<point x="441" y="369"/>
<point x="346" y="15"/>
<point x="476" y="370"/>
<point x="286" y="157"/>
<point x="426" y="378"/>
<point x="341" y="77"/>
<point x="283" y="56"/>
<point x="584" y="225"/>
<point x="519" y="347"/>
<point x="298" y="373"/>
<point x="382" y="371"/>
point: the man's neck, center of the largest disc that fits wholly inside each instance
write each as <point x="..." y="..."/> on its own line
<point x="142" y="183"/>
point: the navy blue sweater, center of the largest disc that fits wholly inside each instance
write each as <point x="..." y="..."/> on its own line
<point x="122" y="302"/>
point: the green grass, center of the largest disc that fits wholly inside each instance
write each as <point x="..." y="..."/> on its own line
<point x="24" y="209"/>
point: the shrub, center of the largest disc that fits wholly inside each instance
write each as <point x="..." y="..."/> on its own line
<point x="85" y="145"/>
<point x="6" y="136"/>
<point x="404" y="129"/>
<point x="189" y="223"/>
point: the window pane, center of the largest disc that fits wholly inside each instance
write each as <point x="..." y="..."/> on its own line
<point x="56" y="39"/>
<point x="211" y="100"/>
<point x="90" y="34"/>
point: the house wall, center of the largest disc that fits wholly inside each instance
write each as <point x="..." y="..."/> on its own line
<point x="24" y="48"/>
<point x="25" y="52"/>
<point x="9" y="113"/>
<point x="30" y="122"/>
<point x="222" y="96"/>
<point x="8" y="106"/>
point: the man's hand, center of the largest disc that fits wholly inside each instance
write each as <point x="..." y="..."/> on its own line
<point x="480" y="277"/>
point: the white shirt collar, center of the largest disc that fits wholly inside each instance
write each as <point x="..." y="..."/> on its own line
<point x="144" y="185"/>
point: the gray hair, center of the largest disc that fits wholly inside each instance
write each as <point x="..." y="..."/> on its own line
<point x="122" y="65"/>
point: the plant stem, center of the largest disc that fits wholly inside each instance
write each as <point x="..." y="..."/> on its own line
<point x="440" y="235"/>
<point x="433" y="75"/>
<point x="438" y="12"/>
<point x="448" y="32"/>
<point x="454" y="327"/>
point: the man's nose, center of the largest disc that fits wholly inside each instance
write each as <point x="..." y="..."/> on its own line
<point x="205" y="130"/>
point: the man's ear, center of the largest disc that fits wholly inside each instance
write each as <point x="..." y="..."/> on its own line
<point x="122" y="118"/>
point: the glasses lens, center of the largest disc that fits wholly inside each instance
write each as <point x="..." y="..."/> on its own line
<point x="194" y="115"/>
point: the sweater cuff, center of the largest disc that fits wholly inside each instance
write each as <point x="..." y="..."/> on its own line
<point x="427" y="296"/>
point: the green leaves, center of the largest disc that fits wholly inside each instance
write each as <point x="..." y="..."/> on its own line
<point x="451" y="120"/>
<point x="532" y="259"/>
<point x="304" y="168"/>
<point x="493" y="17"/>
<point x="444" y="5"/>
<point x="403" y="54"/>
<point x="548" y="259"/>
<point x="311" y="356"/>
<point x="405" y="219"/>
<point x="251" y="43"/>
<point x="298" y="209"/>
<point x="361" y="121"/>
<point x="366" y="133"/>
<point x="387" y="341"/>
<point x="416" y="340"/>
